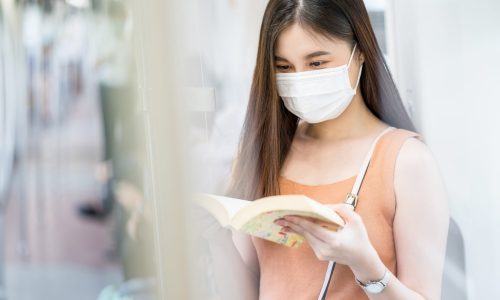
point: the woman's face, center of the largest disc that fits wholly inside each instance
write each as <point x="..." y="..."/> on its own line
<point x="298" y="50"/>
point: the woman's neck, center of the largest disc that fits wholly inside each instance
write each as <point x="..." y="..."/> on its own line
<point x="356" y="121"/>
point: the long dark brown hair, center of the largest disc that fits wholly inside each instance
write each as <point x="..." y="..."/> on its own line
<point x="269" y="127"/>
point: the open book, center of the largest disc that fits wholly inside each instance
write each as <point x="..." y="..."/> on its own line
<point x="257" y="217"/>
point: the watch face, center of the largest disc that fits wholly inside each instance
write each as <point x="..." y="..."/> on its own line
<point x="375" y="288"/>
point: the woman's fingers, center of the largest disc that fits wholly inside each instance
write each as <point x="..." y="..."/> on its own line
<point x="346" y="212"/>
<point x="307" y="226"/>
<point x="316" y="244"/>
<point x="319" y="247"/>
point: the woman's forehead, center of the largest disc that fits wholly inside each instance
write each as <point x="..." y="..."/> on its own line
<point x="297" y="41"/>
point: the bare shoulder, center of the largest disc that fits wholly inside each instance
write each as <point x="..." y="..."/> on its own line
<point x="414" y="159"/>
<point x="417" y="178"/>
<point x="414" y="152"/>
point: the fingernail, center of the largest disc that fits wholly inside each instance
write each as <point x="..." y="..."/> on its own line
<point x="280" y="222"/>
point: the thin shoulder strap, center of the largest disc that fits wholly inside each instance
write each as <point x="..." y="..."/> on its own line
<point x="352" y="197"/>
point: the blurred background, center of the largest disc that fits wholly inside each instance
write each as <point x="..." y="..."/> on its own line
<point x="71" y="175"/>
<point x="112" y="111"/>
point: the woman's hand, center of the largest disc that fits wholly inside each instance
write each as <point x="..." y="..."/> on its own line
<point x="349" y="245"/>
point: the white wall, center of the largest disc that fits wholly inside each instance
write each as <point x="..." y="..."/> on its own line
<point x="225" y="48"/>
<point x="447" y="67"/>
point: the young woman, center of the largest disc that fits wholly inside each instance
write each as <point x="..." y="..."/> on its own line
<point x="321" y="95"/>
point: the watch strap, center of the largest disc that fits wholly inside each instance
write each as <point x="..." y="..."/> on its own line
<point x="384" y="281"/>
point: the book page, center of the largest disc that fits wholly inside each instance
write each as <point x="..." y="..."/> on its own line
<point x="232" y="205"/>
<point x="257" y="219"/>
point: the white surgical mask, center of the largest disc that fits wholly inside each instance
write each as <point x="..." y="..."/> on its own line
<point x="319" y="95"/>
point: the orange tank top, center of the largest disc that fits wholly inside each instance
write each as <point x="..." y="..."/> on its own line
<point x="296" y="273"/>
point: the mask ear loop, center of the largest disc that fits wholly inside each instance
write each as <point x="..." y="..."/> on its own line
<point x="352" y="55"/>
<point x="359" y="79"/>
<point x="360" y="68"/>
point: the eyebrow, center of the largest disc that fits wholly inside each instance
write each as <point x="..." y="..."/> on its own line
<point x="308" y="56"/>
<point x="317" y="53"/>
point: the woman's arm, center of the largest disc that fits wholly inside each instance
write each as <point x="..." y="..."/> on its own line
<point x="420" y="231"/>
<point x="246" y="249"/>
<point x="421" y="221"/>
<point x="233" y="277"/>
<point x="420" y="228"/>
<point x="234" y="274"/>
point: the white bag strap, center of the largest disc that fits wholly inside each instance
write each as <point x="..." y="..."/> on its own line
<point x="352" y="199"/>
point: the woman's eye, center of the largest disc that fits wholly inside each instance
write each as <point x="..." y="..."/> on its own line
<point x="316" y="64"/>
<point x="282" y="67"/>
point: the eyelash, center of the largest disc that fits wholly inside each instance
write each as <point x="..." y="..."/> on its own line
<point x="313" y="64"/>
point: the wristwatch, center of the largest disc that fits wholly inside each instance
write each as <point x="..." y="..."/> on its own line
<point x="375" y="287"/>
